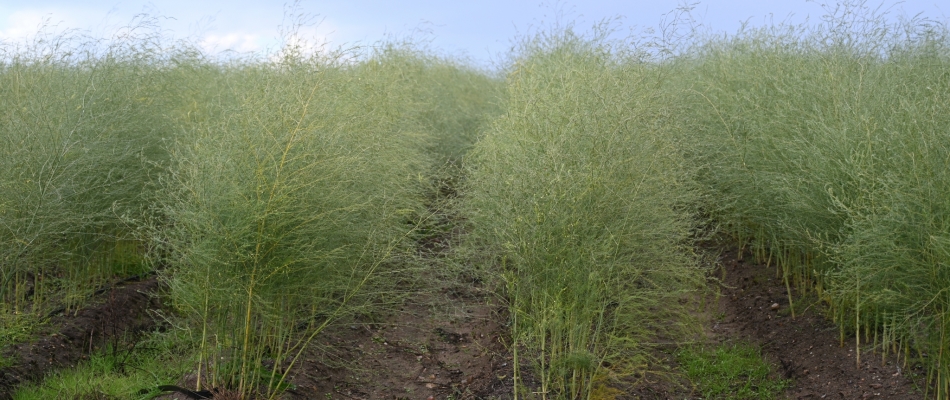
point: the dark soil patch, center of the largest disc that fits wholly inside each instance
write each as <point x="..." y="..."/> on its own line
<point x="661" y="381"/>
<point x="807" y="348"/>
<point x="116" y="316"/>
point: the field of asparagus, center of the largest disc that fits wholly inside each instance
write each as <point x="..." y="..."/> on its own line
<point x="256" y="209"/>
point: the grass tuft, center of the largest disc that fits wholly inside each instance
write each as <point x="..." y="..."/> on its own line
<point x="735" y="371"/>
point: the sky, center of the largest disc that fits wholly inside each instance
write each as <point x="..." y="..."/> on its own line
<point x="481" y="31"/>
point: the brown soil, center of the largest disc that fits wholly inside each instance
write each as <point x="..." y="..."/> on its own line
<point x="807" y="348"/>
<point x="418" y="353"/>
<point x="116" y="316"/>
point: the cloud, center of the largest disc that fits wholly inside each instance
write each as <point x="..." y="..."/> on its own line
<point x="23" y="24"/>
<point x="230" y="29"/>
<point x="238" y="41"/>
<point x="307" y="41"/>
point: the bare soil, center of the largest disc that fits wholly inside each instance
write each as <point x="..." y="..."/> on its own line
<point x="419" y="353"/>
<point x="807" y="348"/>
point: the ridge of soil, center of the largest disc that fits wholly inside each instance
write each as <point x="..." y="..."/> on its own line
<point x="115" y="315"/>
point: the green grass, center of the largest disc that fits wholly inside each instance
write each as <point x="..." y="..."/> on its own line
<point x="730" y="371"/>
<point x="126" y="372"/>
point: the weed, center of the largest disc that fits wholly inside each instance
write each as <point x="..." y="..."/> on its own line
<point x="119" y="373"/>
<point x="730" y="371"/>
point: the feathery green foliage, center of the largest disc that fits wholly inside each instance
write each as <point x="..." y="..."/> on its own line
<point x="280" y="212"/>
<point x="278" y="195"/>
<point x="82" y="128"/>
<point x="275" y="196"/>
<point x="826" y="149"/>
<point x="288" y="212"/>
<point x="583" y="203"/>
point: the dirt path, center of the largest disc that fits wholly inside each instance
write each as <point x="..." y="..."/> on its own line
<point x="805" y="348"/>
<point x="418" y="353"/>
<point x="447" y="341"/>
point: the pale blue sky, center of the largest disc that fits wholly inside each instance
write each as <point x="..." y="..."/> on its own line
<point x="479" y="29"/>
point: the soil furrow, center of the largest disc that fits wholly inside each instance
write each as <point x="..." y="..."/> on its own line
<point x="807" y="349"/>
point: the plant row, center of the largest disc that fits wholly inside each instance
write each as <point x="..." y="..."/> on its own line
<point x="825" y="149"/>
<point x="273" y="195"/>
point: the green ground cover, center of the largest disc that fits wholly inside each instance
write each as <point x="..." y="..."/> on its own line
<point x="730" y="371"/>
